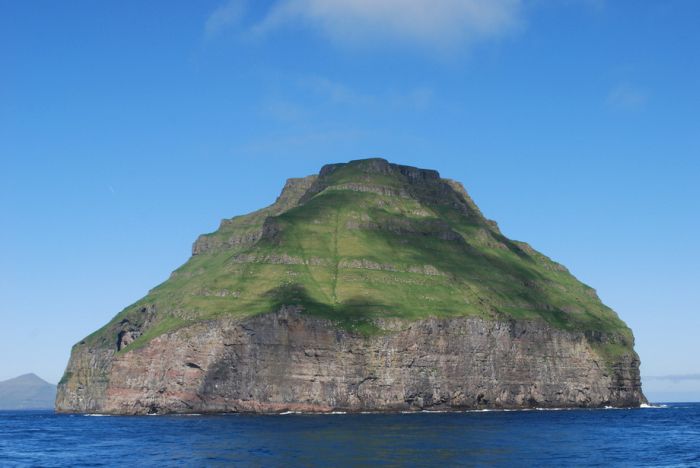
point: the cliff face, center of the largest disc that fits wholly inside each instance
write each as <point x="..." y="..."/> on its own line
<point x="288" y="361"/>
<point x="370" y="287"/>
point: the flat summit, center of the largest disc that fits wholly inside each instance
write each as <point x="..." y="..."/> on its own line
<point x="368" y="287"/>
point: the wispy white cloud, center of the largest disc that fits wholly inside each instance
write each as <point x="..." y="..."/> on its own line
<point x="283" y="109"/>
<point x="417" y="99"/>
<point x="432" y="23"/>
<point x="593" y="5"/>
<point x="597" y="5"/>
<point x="627" y="97"/>
<point x="313" y="95"/>
<point x="335" y="92"/>
<point x="225" y="16"/>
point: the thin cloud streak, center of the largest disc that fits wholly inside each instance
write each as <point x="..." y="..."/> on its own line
<point x="284" y="110"/>
<point x="319" y="93"/>
<point x="224" y="17"/>
<point x="335" y="92"/>
<point x="447" y="24"/>
<point x="627" y="97"/>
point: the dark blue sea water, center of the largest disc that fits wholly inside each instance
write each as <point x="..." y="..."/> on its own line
<point x="667" y="436"/>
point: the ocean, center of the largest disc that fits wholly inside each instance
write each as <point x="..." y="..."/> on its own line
<point x="666" y="435"/>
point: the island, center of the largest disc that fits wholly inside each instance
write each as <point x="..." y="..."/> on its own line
<point x="369" y="287"/>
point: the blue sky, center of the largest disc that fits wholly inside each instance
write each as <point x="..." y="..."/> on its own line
<point x="128" y="128"/>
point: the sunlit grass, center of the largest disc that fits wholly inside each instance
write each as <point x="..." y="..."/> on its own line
<point x="354" y="257"/>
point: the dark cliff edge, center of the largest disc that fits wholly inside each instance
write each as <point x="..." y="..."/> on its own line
<point x="370" y="287"/>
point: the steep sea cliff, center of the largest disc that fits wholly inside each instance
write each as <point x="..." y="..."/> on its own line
<point x="287" y="361"/>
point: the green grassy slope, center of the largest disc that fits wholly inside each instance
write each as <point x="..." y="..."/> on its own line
<point x="365" y="240"/>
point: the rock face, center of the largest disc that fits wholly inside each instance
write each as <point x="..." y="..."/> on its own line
<point x="287" y="361"/>
<point x="300" y="354"/>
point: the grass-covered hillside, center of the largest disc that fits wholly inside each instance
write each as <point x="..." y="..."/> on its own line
<point x="363" y="240"/>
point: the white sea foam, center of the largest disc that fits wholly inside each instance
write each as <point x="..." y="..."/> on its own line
<point x="645" y="405"/>
<point x="480" y="410"/>
<point x="95" y="415"/>
<point x="419" y="411"/>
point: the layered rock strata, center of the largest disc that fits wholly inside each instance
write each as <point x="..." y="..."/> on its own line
<point x="288" y="361"/>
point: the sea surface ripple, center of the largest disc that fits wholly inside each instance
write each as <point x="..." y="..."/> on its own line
<point x="660" y="436"/>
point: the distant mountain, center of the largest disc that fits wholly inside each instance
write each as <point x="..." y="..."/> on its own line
<point x="27" y="391"/>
